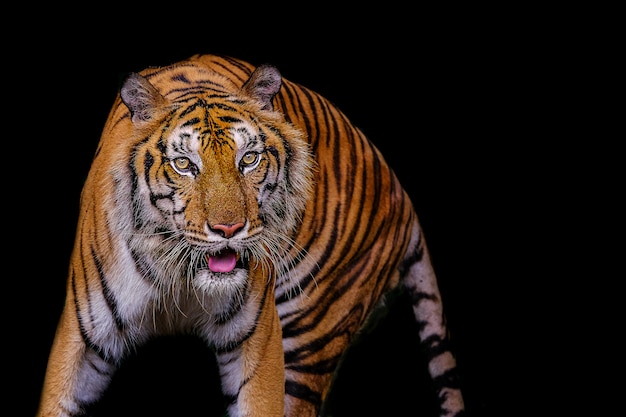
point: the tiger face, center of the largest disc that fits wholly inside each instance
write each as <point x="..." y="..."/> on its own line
<point x="221" y="182"/>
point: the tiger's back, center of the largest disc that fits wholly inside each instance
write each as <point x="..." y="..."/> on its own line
<point x="352" y="237"/>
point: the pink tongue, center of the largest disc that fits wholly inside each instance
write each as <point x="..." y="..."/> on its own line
<point x="223" y="262"/>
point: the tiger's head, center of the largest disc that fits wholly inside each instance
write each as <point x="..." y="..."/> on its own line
<point x="220" y="178"/>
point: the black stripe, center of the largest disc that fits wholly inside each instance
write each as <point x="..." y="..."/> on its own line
<point x="107" y="293"/>
<point x="235" y="344"/>
<point x="434" y="346"/>
<point x="416" y="256"/>
<point x="302" y="392"/>
<point x="449" y="379"/>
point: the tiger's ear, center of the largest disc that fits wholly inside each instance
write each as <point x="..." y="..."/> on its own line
<point x="141" y="98"/>
<point x="263" y="85"/>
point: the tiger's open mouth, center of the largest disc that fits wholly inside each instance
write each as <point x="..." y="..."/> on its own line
<point x="225" y="261"/>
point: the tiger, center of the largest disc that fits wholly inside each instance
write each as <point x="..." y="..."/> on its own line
<point x="231" y="204"/>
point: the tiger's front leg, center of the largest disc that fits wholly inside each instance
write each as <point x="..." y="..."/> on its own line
<point x="76" y="375"/>
<point x="253" y="374"/>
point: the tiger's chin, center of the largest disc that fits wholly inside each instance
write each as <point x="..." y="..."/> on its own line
<point x="221" y="284"/>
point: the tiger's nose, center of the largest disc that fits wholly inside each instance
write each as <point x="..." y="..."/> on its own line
<point x="227" y="230"/>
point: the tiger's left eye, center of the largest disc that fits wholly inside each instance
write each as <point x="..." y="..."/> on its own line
<point x="250" y="158"/>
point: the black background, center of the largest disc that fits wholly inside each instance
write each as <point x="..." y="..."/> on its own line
<point x="445" y="98"/>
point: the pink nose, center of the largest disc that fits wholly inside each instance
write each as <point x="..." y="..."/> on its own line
<point x="228" y="230"/>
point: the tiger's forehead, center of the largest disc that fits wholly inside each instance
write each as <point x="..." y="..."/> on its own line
<point x="193" y="137"/>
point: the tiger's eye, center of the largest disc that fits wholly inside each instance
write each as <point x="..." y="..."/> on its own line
<point x="182" y="163"/>
<point x="250" y="158"/>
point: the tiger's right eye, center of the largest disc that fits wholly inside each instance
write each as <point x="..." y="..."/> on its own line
<point x="183" y="166"/>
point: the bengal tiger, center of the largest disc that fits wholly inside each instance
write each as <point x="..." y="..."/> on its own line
<point x="230" y="204"/>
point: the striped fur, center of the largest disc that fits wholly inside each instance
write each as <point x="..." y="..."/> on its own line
<point x="208" y="162"/>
